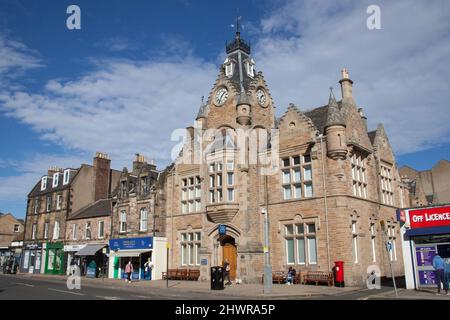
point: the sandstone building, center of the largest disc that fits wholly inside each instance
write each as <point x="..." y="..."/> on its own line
<point x="324" y="181"/>
<point x="428" y="187"/>
<point x="53" y="199"/>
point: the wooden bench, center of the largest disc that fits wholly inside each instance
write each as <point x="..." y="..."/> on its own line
<point x="193" y="274"/>
<point x="181" y="274"/>
<point x="319" y="277"/>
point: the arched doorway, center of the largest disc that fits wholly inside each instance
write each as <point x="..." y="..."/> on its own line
<point x="229" y="253"/>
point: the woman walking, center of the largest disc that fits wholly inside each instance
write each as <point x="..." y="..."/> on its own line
<point x="129" y="270"/>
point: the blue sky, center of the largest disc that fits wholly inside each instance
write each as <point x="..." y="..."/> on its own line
<point x="137" y="70"/>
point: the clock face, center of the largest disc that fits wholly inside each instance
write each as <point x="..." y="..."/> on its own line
<point x="261" y="97"/>
<point x="221" y="96"/>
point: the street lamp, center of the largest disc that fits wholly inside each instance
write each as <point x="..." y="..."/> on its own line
<point x="267" y="266"/>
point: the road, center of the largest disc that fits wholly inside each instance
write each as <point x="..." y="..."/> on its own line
<point x="14" y="288"/>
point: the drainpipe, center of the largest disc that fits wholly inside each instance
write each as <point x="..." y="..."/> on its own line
<point x="325" y="201"/>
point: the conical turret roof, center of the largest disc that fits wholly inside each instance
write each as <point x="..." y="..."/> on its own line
<point x="334" y="116"/>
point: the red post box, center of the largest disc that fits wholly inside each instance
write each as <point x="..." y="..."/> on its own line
<point x="339" y="274"/>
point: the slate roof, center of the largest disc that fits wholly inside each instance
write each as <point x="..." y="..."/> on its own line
<point x="100" y="208"/>
<point x="36" y="191"/>
<point x="318" y="117"/>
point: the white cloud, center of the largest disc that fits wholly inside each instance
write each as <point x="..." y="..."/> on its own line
<point x="122" y="108"/>
<point x="15" y="58"/>
<point x="401" y="72"/>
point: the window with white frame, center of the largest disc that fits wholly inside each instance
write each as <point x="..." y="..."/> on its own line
<point x="221" y="182"/>
<point x="143" y="219"/>
<point x="190" y="243"/>
<point x="66" y="176"/>
<point x="229" y="67"/>
<point x="55" y="180"/>
<point x="250" y="66"/>
<point x="36" y="206"/>
<point x="301" y="243"/>
<point x="355" y="241"/>
<point x="59" y="199"/>
<point x="387" y="192"/>
<point x="56" y="230"/>
<point x="74" y="231"/>
<point x="49" y="203"/>
<point x="123" y="221"/>
<point x="87" y="234"/>
<point x="43" y="183"/>
<point x="373" y="241"/>
<point x="191" y="194"/>
<point x="101" y="229"/>
<point x="296" y="177"/>
<point x="359" y="176"/>
<point x="33" y="231"/>
<point x="392" y="241"/>
<point x="46" y="226"/>
<point x="16" y="228"/>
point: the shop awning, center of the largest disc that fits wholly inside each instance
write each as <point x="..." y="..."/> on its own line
<point x="90" y="250"/>
<point x="427" y="231"/>
<point x="129" y="253"/>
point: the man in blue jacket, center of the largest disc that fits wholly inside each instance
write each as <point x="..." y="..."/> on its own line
<point x="439" y="272"/>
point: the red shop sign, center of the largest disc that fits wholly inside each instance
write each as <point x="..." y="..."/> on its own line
<point x="430" y="217"/>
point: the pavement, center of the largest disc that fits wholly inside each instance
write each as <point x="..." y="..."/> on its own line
<point x="38" y="286"/>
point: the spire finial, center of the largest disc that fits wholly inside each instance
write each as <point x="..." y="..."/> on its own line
<point x="203" y="100"/>
<point x="331" y="92"/>
<point x="238" y="27"/>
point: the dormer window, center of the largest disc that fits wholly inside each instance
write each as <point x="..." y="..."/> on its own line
<point x="66" y="176"/>
<point x="250" y="66"/>
<point x="55" y="180"/>
<point x="229" y="67"/>
<point x="43" y="183"/>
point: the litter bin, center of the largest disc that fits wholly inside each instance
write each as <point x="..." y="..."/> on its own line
<point x="217" y="278"/>
<point x="339" y="274"/>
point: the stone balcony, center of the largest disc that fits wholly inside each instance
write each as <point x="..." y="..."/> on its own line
<point x="221" y="212"/>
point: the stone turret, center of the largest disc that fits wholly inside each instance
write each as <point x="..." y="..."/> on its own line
<point x="243" y="109"/>
<point x="335" y="131"/>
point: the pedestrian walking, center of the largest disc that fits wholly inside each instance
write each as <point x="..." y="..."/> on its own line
<point x="148" y="266"/>
<point x="447" y="273"/>
<point x="290" y="276"/>
<point x="439" y="273"/>
<point x="129" y="270"/>
<point x="226" y="272"/>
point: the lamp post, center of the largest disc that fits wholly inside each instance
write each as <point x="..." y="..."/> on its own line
<point x="267" y="266"/>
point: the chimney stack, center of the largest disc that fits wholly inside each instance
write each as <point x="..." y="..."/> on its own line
<point x="346" y="88"/>
<point x="138" y="162"/>
<point x="52" y="170"/>
<point x="102" y="166"/>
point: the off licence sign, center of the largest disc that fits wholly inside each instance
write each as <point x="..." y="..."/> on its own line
<point x="430" y="217"/>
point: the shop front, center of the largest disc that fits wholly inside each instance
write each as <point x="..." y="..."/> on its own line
<point x="32" y="258"/>
<point x="138" y="251"/>
<point x="425" y="233"/>
<point x="54" y="258"/>
<point x="93" y="260"/>
<point x="69" y="251"/>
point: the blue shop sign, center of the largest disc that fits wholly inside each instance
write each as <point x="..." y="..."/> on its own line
<point x="131" y="243"/>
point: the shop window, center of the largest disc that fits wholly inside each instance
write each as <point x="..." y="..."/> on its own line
<point x="301" y="246"/>
<point x="296" y="177"/>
